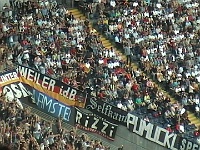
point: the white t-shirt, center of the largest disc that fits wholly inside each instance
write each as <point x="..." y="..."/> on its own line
<point x="112" y="3"/>
<point x="37" y="127"/>
<point x="182" y="129"/>
<point x="119" y="105"/>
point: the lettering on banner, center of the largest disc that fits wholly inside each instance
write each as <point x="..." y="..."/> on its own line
<point x="34" y="77"/>
<point x="69" y="93"/>
<point x="153" y="133"/>
<point x="52" y="106"/>
<point x="93" y="123"/>
<point x="8" y="77"/>
<point x="106" y="110"/>
<point x="15" y="91"/>
<point x="188" y="145"/>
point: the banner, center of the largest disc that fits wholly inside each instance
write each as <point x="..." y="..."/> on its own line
<point x="93" y="123"/>
<point x="153" y="133"/>
<point x="106" y="110"/>
<point x="11" y="88"/>
<point x="134" y="124"/>
<point x="50" y="105"/>
<point x="8" y="77"/>
<point x="188" y="145"/>
<point x="52" y="87"/>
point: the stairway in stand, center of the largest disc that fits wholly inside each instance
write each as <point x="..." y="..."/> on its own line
<point x="107" y="43"/>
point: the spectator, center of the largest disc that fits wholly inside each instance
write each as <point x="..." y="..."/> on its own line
<point x="161" y="45"/>
<point x="162" y="37"/>
<point x="169" y="128"/>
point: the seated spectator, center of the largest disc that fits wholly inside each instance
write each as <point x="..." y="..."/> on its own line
<point x="197" y="133"/>
<point x="152" y="108"/>
<point x="167" y="49"/>
<point x="139" y="101"/>
<point x="147" y="98"/>
<point x="146" y="118"/>
<point x="168" y="128"/>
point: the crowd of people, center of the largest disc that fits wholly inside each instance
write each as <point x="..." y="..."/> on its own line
<point x="164" y="38"/>
<point x="44" y="36"/>
<point x="22" y="130"/>
<point x="162" y="35"/>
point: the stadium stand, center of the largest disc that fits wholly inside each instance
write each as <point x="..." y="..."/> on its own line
<point x="24" y="129"/>
<point x="63" y="44"/>
<point x="135" y="28"/>
<point x="32" y="129"/>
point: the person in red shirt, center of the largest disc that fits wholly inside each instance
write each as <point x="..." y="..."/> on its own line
<point x="197" y="132"/>
<point x="66" y="80"/>
<point x="73" y="51"/>
<point x="101" y="95"/>
<point x="128" y="76"/>
<point x="135" y="87"/>
<point x="168" y="128"/>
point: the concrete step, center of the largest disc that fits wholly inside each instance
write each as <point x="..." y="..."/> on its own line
<point x="106" y="44"/>
<point x="109" y="44"/>
<point x="104" y="39"/>
<point x="74" y="10"/>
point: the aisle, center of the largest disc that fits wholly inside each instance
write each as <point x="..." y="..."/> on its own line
<point x="107" y="43"/>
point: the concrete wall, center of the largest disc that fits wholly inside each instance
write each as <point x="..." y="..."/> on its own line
<point x="129" y="140"/>
<point x="132" y="141"/>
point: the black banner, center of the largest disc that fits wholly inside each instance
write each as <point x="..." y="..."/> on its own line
<point x="15" y="91"/>
<point x="52" y="87"/>
<point x="188" y="145"/>
<point x="106" y="110"/>
<point x="11" y="88"/>
<point x="93" y="123"/>
<point x="153" y="133"/>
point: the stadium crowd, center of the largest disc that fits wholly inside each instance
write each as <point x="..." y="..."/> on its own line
<point x="163" y="36"/>
<point x="43" y="36"/>
<point x="22" y="130"/>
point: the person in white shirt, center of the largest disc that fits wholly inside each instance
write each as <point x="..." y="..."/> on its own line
<point x="119" y="105"/>
<point x="79" y="46"/>
<point x="115" y="78"/>
<point x="197" y="111"/>
<point x="112" y="3"/>
<point x="37" y="134"/>
<point x="117" y="39"/>
<point x="111" y="65"/>
<point x="182" y="128"/>
<point x="37" y="126"/>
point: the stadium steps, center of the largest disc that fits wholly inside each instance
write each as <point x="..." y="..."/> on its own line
<point x="77" y="13"/>
<point x="107" y="43"/>
<point x="68" y="127"/>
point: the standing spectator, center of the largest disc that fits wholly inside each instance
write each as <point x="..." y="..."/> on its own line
<point x="127" y="51"/>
